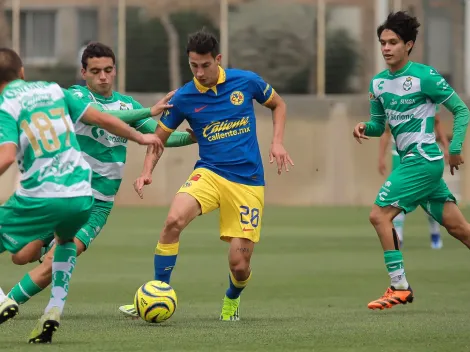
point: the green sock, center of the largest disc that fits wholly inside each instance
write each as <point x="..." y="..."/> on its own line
<point x="65" y="257"/>
<point x="396" y="269"/>
<point x="24" y="290"/>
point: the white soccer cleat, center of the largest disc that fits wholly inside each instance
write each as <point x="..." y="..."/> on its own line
<point x="129" y="311"/>
<point x="8" y="310"/>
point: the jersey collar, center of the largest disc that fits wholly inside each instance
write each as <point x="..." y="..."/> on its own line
<point x="102" y="98"/>
<point x="202" y="89"/>
<point x="402" y="70"/>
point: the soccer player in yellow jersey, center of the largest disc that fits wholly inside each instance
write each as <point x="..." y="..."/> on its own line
<point x="218" y="104"/>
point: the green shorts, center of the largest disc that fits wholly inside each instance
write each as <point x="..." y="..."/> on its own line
<point x="416" y="181"/>
<point x="23" y="220"/>
<point x="98" y="217"/>
<point x="395" y="161"/>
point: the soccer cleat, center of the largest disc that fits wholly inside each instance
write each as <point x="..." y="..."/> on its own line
<point x="129" y="311"/>
<point x="46" y="326"/>
<point x="230" y="309"/>
<point x="436" y="242"/>
<point x="391" y="298"/>
<point x="8" y="310"/>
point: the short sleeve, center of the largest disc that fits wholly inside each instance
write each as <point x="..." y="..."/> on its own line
<point x="262" y="92"/>
<point x="8" y="129"/>
<point x="171" y="118"/>
<point x="376" y="107"/>
<point x="76" y="106"/>
<point x="436" y="87"/>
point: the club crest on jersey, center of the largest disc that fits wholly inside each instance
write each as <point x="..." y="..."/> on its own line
<point x="408" y="83"/>
<point x="237" y="98"/>
<point x="123" y="106"/>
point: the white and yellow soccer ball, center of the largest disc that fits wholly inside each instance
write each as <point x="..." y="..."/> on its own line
<point x="155" y="301"/>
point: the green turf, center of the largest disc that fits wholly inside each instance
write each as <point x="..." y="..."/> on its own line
<point x="314" y="272"/>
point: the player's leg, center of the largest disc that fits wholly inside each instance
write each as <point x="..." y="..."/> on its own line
<point x="41" y="276"/>
<point x="441" y="205"/>
<point x="29" y="253"/>
<point x="398" y="225"/>
<point x="435" y="233"/>
<point x="241" y="212"/>
<point x="406" y="186"/>
<point x="73" y="214"/>
<point x="199" y="195"/>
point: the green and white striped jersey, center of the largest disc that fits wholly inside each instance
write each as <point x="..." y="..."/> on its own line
<point x="105" y="152"/>
<point x="39" y="118"/>
<point x="407" y="99"/>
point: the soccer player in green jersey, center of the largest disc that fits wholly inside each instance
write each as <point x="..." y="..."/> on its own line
<point x="54" y="196"/>
<point x="386" y="142"/>
<point x="104" y="152"/>
<point x="405" y="95"/>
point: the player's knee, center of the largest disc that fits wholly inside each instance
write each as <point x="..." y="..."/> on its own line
<point x="19" y="259"/>
<point x="174" y="223"/>
<point x="240" y="267"/>
<point x="376" y="216"/>
<point x="460" y="230"/>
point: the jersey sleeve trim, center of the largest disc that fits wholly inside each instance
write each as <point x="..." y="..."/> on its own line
<point x="165" y="128"/>
<point x="270" y="97"/>
<point x="83" y="112"/>
<point x="8" y="142"/>
<point x="442" y="102"/>
<point x="143" y="123"/>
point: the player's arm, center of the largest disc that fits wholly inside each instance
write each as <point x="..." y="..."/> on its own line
<point x="375" y="127"/>
<point x="79" y="110"/>
<point x="169" y="122"/>
<point x="384" y="144"/>
<point x="176" y="138"/>
<point x="267" y="96"/>
<point x="440" y="92"/>
<point x="8" y="141"/>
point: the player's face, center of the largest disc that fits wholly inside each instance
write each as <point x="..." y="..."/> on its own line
<point x="394" y="49"/>
<point x="205" y="68"/>
<point x="99" y="75"/>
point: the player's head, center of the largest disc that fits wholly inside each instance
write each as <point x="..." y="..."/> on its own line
<point x="204" y="57"/>
<point x="99" y="68"/>
<point x="397" y="36"/>
<point x="11" y="67"/>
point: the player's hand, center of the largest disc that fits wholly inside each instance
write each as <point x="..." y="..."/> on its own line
<point x="158" y="108"/>
<point x="278" y="152"/>
<point x="191" y="133"/>
<point x="359" y="132"/>
<point x="151" y="139"/>
<point x="140" y="182"/>
<point x="454" y="161"/>
<point x="382" y="167"/>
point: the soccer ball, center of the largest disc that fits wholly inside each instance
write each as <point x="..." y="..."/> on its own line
<point x="155" y="301"/>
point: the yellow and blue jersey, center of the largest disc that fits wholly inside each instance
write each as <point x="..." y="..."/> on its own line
<point x="223" y="119"/>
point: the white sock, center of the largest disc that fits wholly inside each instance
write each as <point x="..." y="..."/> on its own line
<point x="434" y="227"/>
<point x="399" y="224"/>
<point x="399" y="279"/>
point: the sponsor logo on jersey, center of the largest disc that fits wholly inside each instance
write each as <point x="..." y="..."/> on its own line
<point x="408" y="83"/>
<point x="407" y="101"/>
<point x="443" y="83"/>
<point x="381" y="85"/>
<point x="371" y="96"/>
<point x="222" y="129"/>
<point x="393" y="102"/>
<point x="399" y="117"/>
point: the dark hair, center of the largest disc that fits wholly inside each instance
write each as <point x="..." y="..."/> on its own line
<point x="403" y="25"/>
<point x="10" y="65"/>
<point x="203" y="42"/>
<point x="96" y="49"/>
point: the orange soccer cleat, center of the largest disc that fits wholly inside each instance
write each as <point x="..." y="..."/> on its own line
<point x="391" y="298"/>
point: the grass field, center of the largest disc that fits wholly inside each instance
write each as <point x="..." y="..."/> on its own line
<point x="314" y="272"/>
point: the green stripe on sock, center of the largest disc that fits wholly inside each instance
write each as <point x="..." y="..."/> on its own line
<point x="24" y="290"/>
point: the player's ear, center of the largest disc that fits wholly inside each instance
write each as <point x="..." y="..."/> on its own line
<point x="22" y="73"/>
<point x="83" y="71"/>
<point x="409" y="45"/>
<point x="218" y="59"/>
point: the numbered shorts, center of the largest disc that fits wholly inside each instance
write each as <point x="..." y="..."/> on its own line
<point x="416" y="181"/>
<point x="98" y="218"/>
<point x="241" y="206"/>
<point x="23" y="220"/>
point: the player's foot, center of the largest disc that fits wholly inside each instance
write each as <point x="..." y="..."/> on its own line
<point x="391" y="298"/>
<point x="230" y="309"/>
<point x="436" y="242"/>
<point x="46" y="326"/>
<point x="8" y="310"/>
<point x="129" y="311"/>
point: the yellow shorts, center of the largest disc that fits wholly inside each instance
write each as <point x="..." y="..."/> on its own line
<point x="241" y="206"/>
